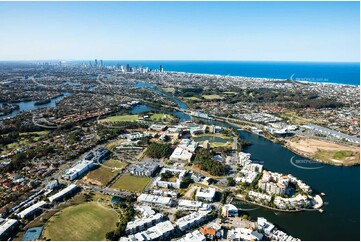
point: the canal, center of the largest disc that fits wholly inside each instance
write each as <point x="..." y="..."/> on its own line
<point x="340" y="219"/>
<point x="30" y="105"/>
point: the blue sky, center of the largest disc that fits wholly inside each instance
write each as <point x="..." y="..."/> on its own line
<point x="279" y="31"/>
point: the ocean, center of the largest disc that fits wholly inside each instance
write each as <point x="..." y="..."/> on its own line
<point x="326" y="72"/>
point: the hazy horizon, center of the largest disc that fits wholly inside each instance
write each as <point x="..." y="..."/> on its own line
<point x="76" y="60"/>
<point x="230" y="31"/>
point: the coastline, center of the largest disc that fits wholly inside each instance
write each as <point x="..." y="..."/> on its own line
<point x="112" y="63"/>
<point x="267" y="79"/>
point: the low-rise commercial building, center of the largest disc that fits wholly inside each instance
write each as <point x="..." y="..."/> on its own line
<point x="143" y="223"/>
<point x="264" y="225"/>
<point x="244" y="234"/>
<point x="192" y="205"/>
<point x="229" y="210"/>
<point x="78" y="169"/>
<point x="31" y="210"/>
<point x="155" y="200"/>
<point x="188" y="144"/>
<point x="212" y="231"/>
<point x="147" y="170"/>
<point x="65" y="192"/>
<point x="181" y="155"/>
<point x="193" y="236"/>
<point x="206" y="194"/>
<point x="191" y="220"/>
<point x="160" y="231"/>
<point x="6" y="226"/>
<point x="171" y="184"/>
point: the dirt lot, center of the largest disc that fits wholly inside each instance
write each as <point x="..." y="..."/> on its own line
<point x="323" y="151"/>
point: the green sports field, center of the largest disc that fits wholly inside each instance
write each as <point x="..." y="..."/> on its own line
<point x="131" y="183"/>
<point x="105" y="173"/>
<point x="88" y="221"/>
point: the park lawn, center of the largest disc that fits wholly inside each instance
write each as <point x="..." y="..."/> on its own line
<point x="229" y="93"/>
<point x="221" y="144"/>
<point x="120" y="118"/>
<point x="103" y="175"/>
<point x="40" y="133"/>
<point x="161" y="116"/>
<point x="131" y="183"/>
<point x="114" y="144"/>
<point x="87" y="221"/>
<point x="169" y="89"/>
<point x="193" y="98"/>
<point x="212" y="97"/>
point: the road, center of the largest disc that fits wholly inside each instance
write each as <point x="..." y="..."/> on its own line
<point x="108" y="191"/>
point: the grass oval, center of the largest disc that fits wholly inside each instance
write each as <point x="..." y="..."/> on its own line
<point x="88" y="221"/>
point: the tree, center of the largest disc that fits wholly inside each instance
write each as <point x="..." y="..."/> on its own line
<point x="230" y="181"/>
<point x="109" y="235"/>
<point x="165" y="176"/>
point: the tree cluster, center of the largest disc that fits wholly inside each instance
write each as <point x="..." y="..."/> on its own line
<point x="127" y="216"/>
<point x="206" y="162"/>
<point x="156" y="150"/>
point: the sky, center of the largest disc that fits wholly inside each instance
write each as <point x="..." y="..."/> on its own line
<point x="264" y="31"/>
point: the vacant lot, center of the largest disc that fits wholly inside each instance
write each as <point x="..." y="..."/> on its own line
<point x="104" y="174"/>
<point x="131" y="183"/>
<point x="325" y="151"/>
<point x="120" y="118"/>
<point x="87" y="221"/>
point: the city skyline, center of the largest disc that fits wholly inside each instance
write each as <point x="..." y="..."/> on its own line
<point x="214" y="31"/>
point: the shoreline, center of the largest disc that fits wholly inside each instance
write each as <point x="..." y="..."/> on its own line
<point x="228" y="75"/>
<point x="268" y="79"/>
<point x="295" y="151"/>
<point x="318" y="160"/>
<point x="278" y="209"/>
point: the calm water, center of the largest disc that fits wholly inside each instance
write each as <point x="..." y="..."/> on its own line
<point x="30" y="105"/>
<point x="342" y="73"/>
<point x="340" y="219"/>
<point x="340" y="184"/>
<point x="180" y="104"/>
